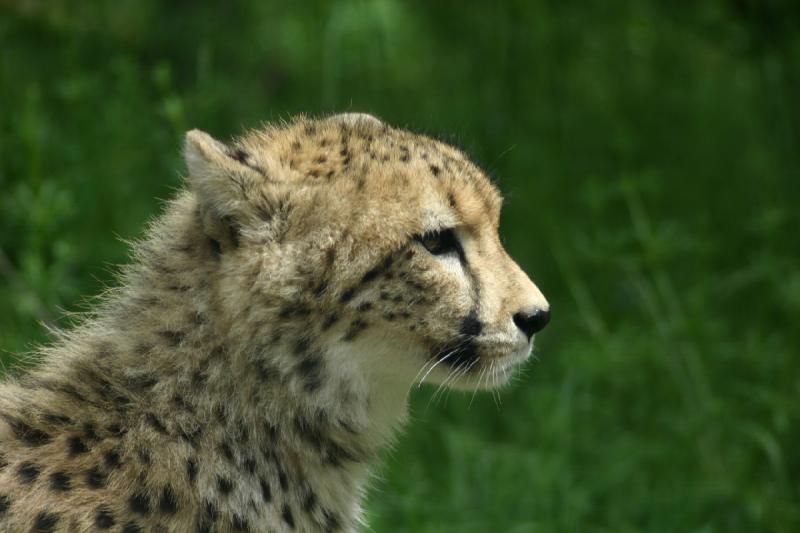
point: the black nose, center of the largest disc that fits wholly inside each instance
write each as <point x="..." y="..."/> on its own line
<point x="531" y="323"/>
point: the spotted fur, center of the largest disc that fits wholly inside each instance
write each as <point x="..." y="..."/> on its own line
<point x="258" y="353"/>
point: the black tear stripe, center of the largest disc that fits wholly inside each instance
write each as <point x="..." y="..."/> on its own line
<point x="462" y="351"/>
<point x="471" y="326"/>
<point x="465" y="350"/>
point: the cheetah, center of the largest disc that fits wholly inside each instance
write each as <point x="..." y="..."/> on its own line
<point x="259" y="350"/>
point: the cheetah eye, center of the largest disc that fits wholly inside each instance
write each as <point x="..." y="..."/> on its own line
<point x="441" y="242"/>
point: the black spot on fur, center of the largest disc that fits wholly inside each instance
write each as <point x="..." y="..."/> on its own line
<point x="61" y="420"/>
<point x="272" y="430"/>
<point x="250" y="465"/>
<point x="103" y="518"/>
<point x="210" y="511"/>
<point x="90" y="431"/>
<point x="356" y="327"/>
<point x="371" y="275"/>
<point x="172" y="338"/>
<point x="144" y="456"/>
<point x="266" y="372"/>
<point x="364" y="306"/>
<point x="45" y="522"/>
<point x="224" y="485"/>
<point x="239" y="523"/>
<point x="347" y="295"/>
<point x="234" y="231"/>
<point x="239" y="155"/>
<point x="112" y="459"/>
<point x="168" y="502"/>
<point x="435" y="170"/>
<point x="309" y="501"/>
<point x="180" y="402"/>
<point x="199" y="318"/>
<point x="283" y="479"/>
<point x="320" y="289"/>
<point x="76" y="446"/>
<point x="242" y="431"/>
<point x="5" y="503"/>
<point x="311" y="370"/>
<point x="191" y="469"/>
<point x="28" y="473"/>
<point x="140" y="504"/>
<point x="309" y="432"/>
<point x="143" y="382"/>
<point x="331" y="521"/>
<point x="60" y="481"/>
<point x="226" y="450"/>
<point x="95" y="478"/>
<point x="335" y="454"/>
<point x="301" y="346"/>
<point x="27" y="434"/>
<point x="216" y="249"/>
<point x="192" y="436"/>
<point x="293" y="311"/>
<point x="266" y="490"/>
<point x="329" y="321"/>
<point x="131" y="527"/>
<point x="116" y="430"/>
<point x="154" y="422"/>
<point x="286" y="514"/>
<point x="198" y="378"/>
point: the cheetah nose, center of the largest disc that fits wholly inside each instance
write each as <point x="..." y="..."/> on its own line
<point x="531" y="323"/>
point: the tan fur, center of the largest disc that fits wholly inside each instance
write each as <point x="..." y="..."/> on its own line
<point x="259" y="350"/>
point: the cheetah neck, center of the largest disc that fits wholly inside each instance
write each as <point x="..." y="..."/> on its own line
<point x="162" y="375"/>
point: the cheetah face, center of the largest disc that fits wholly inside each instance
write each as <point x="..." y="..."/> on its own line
<point x="461" y="298"/>
<point x="371" y="240"/>
<point x="499" y="309"/>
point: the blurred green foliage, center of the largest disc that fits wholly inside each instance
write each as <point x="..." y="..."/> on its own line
<point x="650" y="153"/>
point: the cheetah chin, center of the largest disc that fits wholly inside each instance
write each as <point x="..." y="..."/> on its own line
<point x="258" y="353"/>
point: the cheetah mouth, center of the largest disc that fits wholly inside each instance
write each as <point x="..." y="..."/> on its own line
<point x="476" y="355"/>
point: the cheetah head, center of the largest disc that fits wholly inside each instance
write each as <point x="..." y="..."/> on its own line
<point x="364" y="250"/>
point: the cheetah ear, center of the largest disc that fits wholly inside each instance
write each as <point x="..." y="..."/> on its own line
<point x="219" y="175"/>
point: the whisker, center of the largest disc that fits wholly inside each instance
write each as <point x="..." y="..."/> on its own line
<point x="435" y="357"/>
<point x="477" y="386"/>
<point x="436" y="363"/>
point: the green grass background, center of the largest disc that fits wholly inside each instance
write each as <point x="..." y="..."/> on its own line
<point x="650" y="153"/>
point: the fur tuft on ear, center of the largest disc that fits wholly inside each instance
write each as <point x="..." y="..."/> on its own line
<point x="218" y="175"/>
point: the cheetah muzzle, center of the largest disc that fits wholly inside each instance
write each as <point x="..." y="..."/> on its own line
<point x="260" y="348"/>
